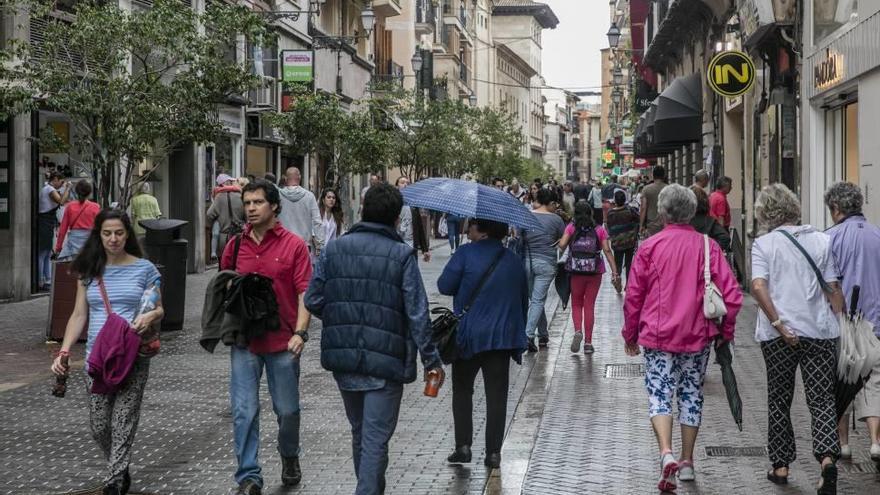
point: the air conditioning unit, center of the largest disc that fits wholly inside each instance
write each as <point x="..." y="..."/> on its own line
<point x="264" y="96"/>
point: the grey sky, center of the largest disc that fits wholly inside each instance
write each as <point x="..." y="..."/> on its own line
<point x="571" y="51"/>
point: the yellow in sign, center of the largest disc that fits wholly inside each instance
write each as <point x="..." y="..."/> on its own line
<point x="608" y="156"/>
<point x="731" y="73"/>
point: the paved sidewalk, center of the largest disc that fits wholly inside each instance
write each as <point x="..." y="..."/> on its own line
<point x="595" y="435"/>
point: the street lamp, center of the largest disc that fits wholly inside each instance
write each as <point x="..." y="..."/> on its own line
<point x="617" y="76"/>
<point x="613" y="35"/>
<point x="417" y="61"/>
<point x="368" y="19"/>
<point x="472" y="99"/>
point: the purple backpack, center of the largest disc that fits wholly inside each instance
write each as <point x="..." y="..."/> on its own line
<point x="583" y="256"/>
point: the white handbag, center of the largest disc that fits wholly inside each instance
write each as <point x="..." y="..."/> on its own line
<point x="713" y="304"/>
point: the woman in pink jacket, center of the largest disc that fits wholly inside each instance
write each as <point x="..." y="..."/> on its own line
<point x="663" y="313"/>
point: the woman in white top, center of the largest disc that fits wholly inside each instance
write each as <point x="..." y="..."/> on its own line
<point x="331" y="215"/>
<point x="797" y="326"/>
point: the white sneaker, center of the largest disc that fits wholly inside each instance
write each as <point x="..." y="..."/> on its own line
<point x="845" y="452"/>
<point x="668" y="470"/>
<point x="875" y="452"/>
<point x="686" y="471"/>
<point x="576" y="341"/>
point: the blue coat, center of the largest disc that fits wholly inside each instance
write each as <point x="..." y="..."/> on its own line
<point x="497" y="319"/>
<point x="369" y="294"/>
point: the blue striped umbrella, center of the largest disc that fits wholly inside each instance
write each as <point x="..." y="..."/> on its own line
<point x="470" y="200"/>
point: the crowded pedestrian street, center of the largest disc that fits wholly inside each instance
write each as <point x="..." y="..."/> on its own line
<point x="576" y="423"/>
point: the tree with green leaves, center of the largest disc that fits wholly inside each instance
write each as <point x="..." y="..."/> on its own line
<point x="134" y="84"/>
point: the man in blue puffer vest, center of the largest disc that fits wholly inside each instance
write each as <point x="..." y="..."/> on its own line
<point x="368" y="292"/>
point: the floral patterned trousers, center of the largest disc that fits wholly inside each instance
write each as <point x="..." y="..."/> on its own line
<point x="680" y="374"/>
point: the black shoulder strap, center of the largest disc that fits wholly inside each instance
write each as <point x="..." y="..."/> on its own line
<point x="235" y="253"/>
<point x="824" y="285"/>
<point x="483" y="280"/>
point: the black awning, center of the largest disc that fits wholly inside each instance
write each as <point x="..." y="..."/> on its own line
<point x="679" y="115"/>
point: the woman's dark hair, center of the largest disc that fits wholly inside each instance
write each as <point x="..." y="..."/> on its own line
<point x="619" y="197"/>
<point x="545" y="196"/>
<point x="269" y="191"/>
<point x="583" y="215"/>
<point x="495" y="230"/>
<point x="83" y="190"/>
<point x="336" y="211"/>
<point x="92" y="259"/>
<point x="382" y="204"/>
<point x="702" y="200"/>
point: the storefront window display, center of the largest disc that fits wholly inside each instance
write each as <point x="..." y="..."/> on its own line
<point x="831" y="15"/>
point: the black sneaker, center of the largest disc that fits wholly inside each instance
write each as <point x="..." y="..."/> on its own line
<point x="291" y="474"/>
<point x="532" y="346"/>
<point x="249" y="487"/>
<point x="543" y="341"/>
<point x="461" y="455"/>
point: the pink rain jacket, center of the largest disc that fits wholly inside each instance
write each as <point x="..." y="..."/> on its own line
<point x="664" y="295"/>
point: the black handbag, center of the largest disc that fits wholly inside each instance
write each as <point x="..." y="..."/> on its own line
<point x="444" y="328"/>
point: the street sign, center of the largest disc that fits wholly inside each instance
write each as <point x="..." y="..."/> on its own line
<point x="731" y="73"/>
<point x="640" y="163"/>
<point x="608" y="156"/>
<point x="297" y="66"/>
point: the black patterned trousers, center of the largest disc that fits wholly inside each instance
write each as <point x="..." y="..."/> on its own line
<point x="114" y="419"/>
<point x="817" y="359"/>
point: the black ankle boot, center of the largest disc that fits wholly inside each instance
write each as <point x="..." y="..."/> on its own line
<point x="112" y="489"/>
<point x="493" y="461"/>
<point x="126" y="483"/>
<point x="462" y="454"/>
<point x="291" y="474"/>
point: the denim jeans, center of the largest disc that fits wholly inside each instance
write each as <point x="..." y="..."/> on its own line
<point x="453" y="228"/>
<point x="373" y="417"/>
<point x="282" y="373"/>
<point x="44" y="266"/>
<point x="540" y="275"/>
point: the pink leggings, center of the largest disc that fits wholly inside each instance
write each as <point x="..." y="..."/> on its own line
<point x="584" y="289"/>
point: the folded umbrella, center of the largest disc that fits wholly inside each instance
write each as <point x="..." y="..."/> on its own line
<point x="855" y="360"/>
<point x="563" y="284"/>
<point x="470" y="200"/>
<point x="724" y="357"/>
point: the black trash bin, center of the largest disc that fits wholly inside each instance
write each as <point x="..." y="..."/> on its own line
<point x="168" y="251"/>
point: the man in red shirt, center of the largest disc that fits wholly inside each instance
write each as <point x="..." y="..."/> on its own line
<point x="268" y="249"/>
<point x="719" y="209"/>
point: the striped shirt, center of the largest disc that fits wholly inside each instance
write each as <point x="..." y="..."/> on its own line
<point x="125" y="285"/>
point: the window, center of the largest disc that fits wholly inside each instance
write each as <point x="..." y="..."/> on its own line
<point x="831" y="15"/>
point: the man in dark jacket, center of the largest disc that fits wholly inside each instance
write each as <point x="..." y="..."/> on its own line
<point x="368" y="292"/>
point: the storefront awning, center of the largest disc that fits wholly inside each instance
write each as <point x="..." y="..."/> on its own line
<point x="679" y="115"/>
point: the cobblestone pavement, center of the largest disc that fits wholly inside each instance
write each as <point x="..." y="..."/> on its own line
<point x="184" y="443"/>
<point x="595" y="435"/>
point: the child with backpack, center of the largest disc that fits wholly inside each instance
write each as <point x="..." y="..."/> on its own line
<point x="585" y="241"/>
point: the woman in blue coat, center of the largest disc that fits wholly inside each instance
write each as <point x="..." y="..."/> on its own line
<point x="490" y="334"/>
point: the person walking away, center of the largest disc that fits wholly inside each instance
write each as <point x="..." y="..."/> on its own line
<point x="719" y="208"/>
<point x="705" y="224"/>
<point x="794" y="279"/>
<point x="226" y="212"/>
<point x="411" y="227"/>
<point x="111" y="261"/>
<point x="299" y="212"/>
<point x="453" y="229"/>
<point x="77" y="222"/>
<point x="331" y="216"/>
<point x="701" y="180"/>
<point x="224" y="183"/>
<point x="581" y="191"/>
<point x="369" y="295"/>
<point x="267" y="248"/>
<point x="585" y="240"/>
<point x="595" y="201"/>
<point x="608" y="195"/>
<point x="854" y="245"/>
<point x="539" y="248"/>
<point x="490" y="332"/>
<point x="144" y="206"/>
<point x="623" y="232"/>
<point x="50" y="201"/>
<point x="671" y="328"/>
<point x="650" y="221"/>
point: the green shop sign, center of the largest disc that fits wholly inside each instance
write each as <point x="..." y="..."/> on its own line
<point x="297" y="66"/>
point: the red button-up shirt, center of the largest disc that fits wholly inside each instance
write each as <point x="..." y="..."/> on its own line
<point x="719" y="209"/>
<point x="284" y="258"/>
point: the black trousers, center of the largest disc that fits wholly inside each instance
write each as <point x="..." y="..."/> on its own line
<point x="496" y="376"/>
<point x="623" y="257"/>
<point x="817" y="359"/>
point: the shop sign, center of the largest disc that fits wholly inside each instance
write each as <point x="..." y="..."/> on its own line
<point x="645" y="94"/>
<point x="830" y="71"/>
<point x="640" y="163"/>
<point x="297" y="66"/>
<point x="731" y="73"/>
<point x="608" y="156"/>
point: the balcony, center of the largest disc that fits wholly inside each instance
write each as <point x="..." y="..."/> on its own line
<point x="426" y="17"/>
<point x="391" y="73"/>
<point x="463" y="74"/>
<point x="387" y="8"/>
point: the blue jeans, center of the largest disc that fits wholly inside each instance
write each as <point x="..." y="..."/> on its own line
<point x="282" y="373"/>
<point x="453" y="228"/>
<point x="373" y="417"/>
<point x="540" y="275"/>
<point x="44" y="265"/>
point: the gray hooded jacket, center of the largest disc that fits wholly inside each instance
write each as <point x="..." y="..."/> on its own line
<point x="300" y="214"/>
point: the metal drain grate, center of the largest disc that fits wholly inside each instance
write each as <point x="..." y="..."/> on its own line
<point x="628" y="370"/>
<point x="858" y="467"/>
<point x="736" y="451"/>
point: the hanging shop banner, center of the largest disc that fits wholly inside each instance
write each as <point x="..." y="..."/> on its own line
<point x="731" y="73"/>
<point x="297" y="66"/>
<point x="609" y="156"/>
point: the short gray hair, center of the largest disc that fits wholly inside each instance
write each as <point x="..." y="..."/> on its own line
<point x="775" y="206"/>
<point x="845" y="197"/>
<point x="677" y="204"/>
<point x="701" y="175"/>
<point x="145" y="188"/>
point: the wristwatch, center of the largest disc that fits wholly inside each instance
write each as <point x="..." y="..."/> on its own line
<point x="776" y="324"/>
<point x="303" y="334"/>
